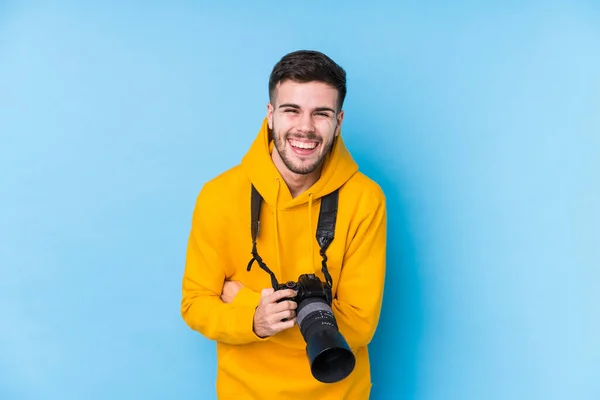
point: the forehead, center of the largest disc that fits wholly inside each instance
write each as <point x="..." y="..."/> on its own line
<point x="306" y="94"/>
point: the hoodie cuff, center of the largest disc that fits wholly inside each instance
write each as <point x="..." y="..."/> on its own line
<point x="245" y="303"/>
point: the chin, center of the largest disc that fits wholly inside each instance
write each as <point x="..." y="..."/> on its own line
<point x="304" y="169"/>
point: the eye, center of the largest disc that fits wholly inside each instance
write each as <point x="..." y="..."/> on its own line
<point x="290" y="110"/>
<point x="323" y="114"/>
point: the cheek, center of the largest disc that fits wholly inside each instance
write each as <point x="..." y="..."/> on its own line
<point x="327" y="126"/>
<point x="327" y="130"/>
<point x="283" y="123"/>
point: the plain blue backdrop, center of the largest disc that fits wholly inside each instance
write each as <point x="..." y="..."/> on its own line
<point x="480" y="122"/>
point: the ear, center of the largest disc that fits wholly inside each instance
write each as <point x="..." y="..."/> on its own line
<point x="340" y="119"/>
<point x="270" y="115"/>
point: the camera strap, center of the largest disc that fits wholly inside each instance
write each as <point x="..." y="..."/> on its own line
<point x="326" y="229"/>
<point x="324" y="236"/>
<point x="255" y="202"/>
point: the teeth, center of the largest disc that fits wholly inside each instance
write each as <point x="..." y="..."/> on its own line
<point x="303" y="145"/>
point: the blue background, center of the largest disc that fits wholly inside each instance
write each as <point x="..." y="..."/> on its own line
<point x="480" y="122"/>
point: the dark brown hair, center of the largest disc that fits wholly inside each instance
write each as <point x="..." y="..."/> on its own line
<point x="309" y="66"/>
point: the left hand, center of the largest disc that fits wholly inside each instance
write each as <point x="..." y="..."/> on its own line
<point x="230" y="289"/>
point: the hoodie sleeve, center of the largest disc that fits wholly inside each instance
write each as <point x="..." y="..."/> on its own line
<point x="359" y="296"/>
<point x="201" y="307"/>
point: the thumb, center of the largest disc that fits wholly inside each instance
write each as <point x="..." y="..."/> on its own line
<point x="266" y="292"/>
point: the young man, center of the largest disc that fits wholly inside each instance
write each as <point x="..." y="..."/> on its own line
<point x="296" y="163"/>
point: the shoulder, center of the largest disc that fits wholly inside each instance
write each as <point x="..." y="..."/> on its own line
<point x="227" y="183"/>
<point x="219" y="195"/>
<point x="364" y="190"/>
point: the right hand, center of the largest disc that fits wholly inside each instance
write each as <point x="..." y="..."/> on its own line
<point x="269" y="313"/>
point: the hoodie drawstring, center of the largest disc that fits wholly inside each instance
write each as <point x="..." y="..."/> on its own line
<point x="275" y="222"/>
<point x="310" y="229"/>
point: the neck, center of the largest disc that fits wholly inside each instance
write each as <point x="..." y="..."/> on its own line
<point x="296" y="183"/>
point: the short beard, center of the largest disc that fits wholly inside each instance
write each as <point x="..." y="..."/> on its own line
<point x="280" y="143"/>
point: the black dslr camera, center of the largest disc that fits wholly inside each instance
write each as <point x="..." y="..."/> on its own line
<point x="329" y="355"/>
<point x="308" y="286"/>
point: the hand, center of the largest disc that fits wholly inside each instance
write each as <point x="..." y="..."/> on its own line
<point x="269" y="313"/>
<point x="230" y="289"/>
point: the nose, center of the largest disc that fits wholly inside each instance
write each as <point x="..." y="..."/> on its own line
<point x="305" y="123"/>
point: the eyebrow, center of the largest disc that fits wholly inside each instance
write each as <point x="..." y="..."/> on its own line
<point x="292" y="105"/>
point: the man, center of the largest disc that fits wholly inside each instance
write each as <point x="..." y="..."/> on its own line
<point x="295" y="162"/>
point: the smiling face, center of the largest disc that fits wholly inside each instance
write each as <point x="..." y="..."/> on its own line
<point x="304" y="121"/>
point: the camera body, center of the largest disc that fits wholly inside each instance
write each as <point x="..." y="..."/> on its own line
<point x="308" y="286"/>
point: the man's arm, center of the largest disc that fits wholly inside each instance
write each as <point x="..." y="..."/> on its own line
<point x="201" y="307"/>
<point x="357" y="304"/>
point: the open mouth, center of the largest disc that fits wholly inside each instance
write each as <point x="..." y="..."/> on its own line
<point x="303" y="147"/>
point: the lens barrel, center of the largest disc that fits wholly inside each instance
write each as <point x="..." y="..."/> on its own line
<point x="329" y="355"/>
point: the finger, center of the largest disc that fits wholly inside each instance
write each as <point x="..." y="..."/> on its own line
<point x="266" y="292"/>
<point x="287" y="314"/>
<point x="281" y="294"/>
<point x="280" y="326"/>
<point x="274" y="317"/>
<point x="283" y="306"/>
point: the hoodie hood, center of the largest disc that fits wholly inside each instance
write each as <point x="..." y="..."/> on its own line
<point x="338" y="167"/>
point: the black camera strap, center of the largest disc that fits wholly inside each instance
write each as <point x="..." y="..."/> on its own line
<point x="325" y="231"/>
<point x="256" y="201"/>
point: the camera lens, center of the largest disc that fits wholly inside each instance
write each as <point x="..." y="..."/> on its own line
<point x="330" y="357"/>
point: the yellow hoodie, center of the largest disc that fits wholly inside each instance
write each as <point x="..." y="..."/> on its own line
<point x="219" y="249"/>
